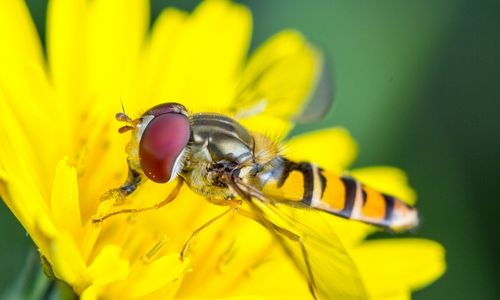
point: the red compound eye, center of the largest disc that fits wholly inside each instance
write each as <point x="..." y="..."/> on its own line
<point x="162" y="143"/>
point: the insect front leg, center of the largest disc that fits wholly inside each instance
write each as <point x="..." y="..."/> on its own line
<point x="173" y="194"/>
<point x="134" y="178"/>
<point x="133" y="181"/>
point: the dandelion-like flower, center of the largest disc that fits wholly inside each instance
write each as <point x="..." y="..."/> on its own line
<point x="60" y="153"/>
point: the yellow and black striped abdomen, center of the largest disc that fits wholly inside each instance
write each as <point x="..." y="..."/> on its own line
<point x="346" y="197"/>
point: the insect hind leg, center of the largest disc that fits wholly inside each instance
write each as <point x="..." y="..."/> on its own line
<point x="283" y="232"/>
<point x="201" y="228"/>
<point x="246" y="192"/>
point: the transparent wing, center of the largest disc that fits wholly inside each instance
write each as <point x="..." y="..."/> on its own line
<point x="285" y="78"/>
<point x="335" y="274"/>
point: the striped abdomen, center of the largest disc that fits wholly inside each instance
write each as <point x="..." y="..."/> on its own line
<point x="345" y="197"/>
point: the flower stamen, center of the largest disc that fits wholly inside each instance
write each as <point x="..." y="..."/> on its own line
<point x="147" y="257"/>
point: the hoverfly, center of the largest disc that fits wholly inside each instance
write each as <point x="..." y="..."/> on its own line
<point x="221" y="160"/>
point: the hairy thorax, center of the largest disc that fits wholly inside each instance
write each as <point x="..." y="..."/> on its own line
<point x="222" y="147"/>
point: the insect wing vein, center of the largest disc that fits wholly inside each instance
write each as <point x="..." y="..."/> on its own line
<point x="297" y="77"/>
<point x="335" y="274"/>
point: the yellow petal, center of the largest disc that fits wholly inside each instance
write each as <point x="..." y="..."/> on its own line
<point x="203" y="59"/>
<point x="403" y="295"/>
<point x="150" y="78"/>
<point x="30" y="208"/>
<point x="267" y="279"/>
<point x="91" y="293"/>
<point x="108" y="266"/>
<point x="66" y="30"/>
<point x="249" y="297"/>
<point x="389" y="180"/>
<point x="26" y="98"/>
<point x="100" y="160"/>
<point x="391" y="266"/>
<point x="159" y="273"/>
<point x="229" y="262"/>
<point x="246" y="297"/>
<point x="20" y="42"/>
<point x="20" y="170"/>
<point x="64" y="202"/>
<point x="115" y="35"/>
<point x="67" y="261"/>
<point x="241" y="263"/>
<point x="282" y="73"/>
<point x="332" y="149"/>
<point x="22" y="75"/>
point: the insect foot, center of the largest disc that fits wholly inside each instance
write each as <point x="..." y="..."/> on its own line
<point x="108" y="200"/>
<point x="114" y="194"/>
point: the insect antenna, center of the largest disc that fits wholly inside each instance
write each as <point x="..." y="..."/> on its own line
<point x="123" y="107"/>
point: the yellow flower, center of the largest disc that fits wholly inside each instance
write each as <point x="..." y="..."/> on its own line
<point x="60" y="152"/>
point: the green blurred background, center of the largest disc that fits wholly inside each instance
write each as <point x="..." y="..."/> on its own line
<point x="418" y="85"/>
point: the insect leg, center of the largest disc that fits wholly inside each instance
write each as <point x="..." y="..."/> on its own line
<point x="127" y="188"/>
<point x="197" y="231"/>
<point x="158" y="205"/>
<point x="277" y="231"/>
<point x="293" y="237"/>
<point x="133" y="181"/>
